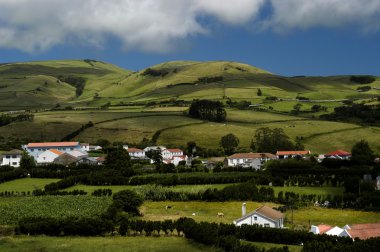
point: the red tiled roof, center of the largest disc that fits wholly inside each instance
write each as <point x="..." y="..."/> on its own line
<point x="306" y="152"/>
<point x="175" y="150"/>
<point x="52" y="144"/>
<point x="56" y="151"/>
<point x="134" y="150"/>
<point x="364" y="231"/>
<point x="251" y="155"/>
<point x="324" y="228"/>
<point x="338" y="153"/>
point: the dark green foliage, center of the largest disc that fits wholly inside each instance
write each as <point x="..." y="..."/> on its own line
<point x="355" y="112"/>
<point x="8" y="173"/>
<point x="78" y="131"/>
<point x="208" y="110"/>
<point x="127" y="201"/>
<point x="364" y="88"/>
<point x="155" y="72"/>
<point x="229" y="143"/>
<point x="7" y="119"/>
<point x="75" y="81"/>
<point x="118" y="159"/>
<point x="271" y="140"/>
<point x="362" y="153"/>
<point x="209" y="79"/>
<point x="362" y="79"/>
<point x="102" y="192"/>
<point x="259" y="92"/>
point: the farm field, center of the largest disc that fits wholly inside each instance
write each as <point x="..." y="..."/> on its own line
<point x="207" y="211"/>
<point x="179" y="188"/>
<point x="324" y="190"/>
<point x="106" y="244"/>
<point x="12" y="209"/>
<point x="25" y="184"/>
<point x="265" y="245"/>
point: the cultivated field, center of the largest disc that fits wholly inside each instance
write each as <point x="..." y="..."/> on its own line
<point x="25" y="184"/>
<point x="106" y="244"/>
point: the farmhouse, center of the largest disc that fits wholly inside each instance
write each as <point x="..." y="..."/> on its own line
<point x="361" y="231"/>
<point x="85" y="146"/>
<point x="263" y="216"/>
<point x="248" y="160"/>
<point x="48" y="156"/>
<point x="292" y="154"/>
<point x="11" y="158"/>
<point x="35" y="149"/>
<point x="136" y="153"/>
<point x="165" y="153"/>
<point x="338" y="154"/>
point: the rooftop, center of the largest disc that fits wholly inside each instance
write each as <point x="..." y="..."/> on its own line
<point x="251" y="155"/>
<point x="300" y="152"/>
<point x="13" y="152"/>
<point x="53" y="144"/>
<point x="338" y="153"/>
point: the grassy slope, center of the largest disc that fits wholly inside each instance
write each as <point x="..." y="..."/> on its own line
<point x="111" y="244"/>
<point x="25" y="184"/>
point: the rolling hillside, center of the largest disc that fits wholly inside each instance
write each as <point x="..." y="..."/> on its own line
<point x="45" y="84"/>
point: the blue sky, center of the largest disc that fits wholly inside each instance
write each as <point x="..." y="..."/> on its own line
<point x="287" y="37"/>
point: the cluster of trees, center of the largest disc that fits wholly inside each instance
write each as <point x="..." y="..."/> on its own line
<point x="208" y="110"/>
<point x="209" y="79"/>
<point x="75" y="81"/>
<point x="7" y="119"/>
<point x="364" y="88"/>
<point x="362" y="79"/>
<point x="357" y="112"/>
<point x="238" y="104"/>
<point x="155" y="72"/>
<point x="8" y="173"/>
<point x="272" y="140"/>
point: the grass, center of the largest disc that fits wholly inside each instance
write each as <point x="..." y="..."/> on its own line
<point x="111" y="244"/>
<point x="25" y="184"/>
<point x="324" y="190"/>
<point x="265" y="245"/>
<point x="116" y="188"/>
<point x="207" y="211"/>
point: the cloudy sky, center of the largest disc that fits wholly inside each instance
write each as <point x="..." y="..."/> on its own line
<point x="289" y="37"/>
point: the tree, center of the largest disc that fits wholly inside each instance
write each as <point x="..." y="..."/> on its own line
<point x="128" y="201"/>
<point x="296" y="109"/>
<point x="118" y="159"/>
<point x="259" y="93"/>
<point x="271" y="140"/>
<point x="362" y="153"/>
<point x="156" y="156"/>
<point x="103" y="143"/>
<point x="208" y="110"/>
<point x="27" y="162"/>
<point x="191" y="148"/>
<point x="229" y="143"/>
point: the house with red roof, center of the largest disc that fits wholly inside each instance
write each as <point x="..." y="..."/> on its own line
<point x="48" y="156"/>
<point x="36" y="149"/>
<point x="361" y="231"/>
<point x="136" y="153"/>
<point x="264" y="216"/>
<point x="293" y="154"/>
<point x="338" y="154"/>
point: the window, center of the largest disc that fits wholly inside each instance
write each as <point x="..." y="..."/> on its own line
<point x="31" y="150"/>
<point x="255" y="218"/>
<point x="266" y="225"/>
<point x="39" y="149"/>
<point x="72" y="149"/>
<point x="14" y="163"/>
<point x="8" y="156"/>
<point x="14" y="156"/>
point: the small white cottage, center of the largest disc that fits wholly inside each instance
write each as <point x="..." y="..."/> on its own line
<point x="263" y="216"/>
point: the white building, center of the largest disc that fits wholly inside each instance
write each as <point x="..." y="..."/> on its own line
<point x="247" y="160"/>
<point x="136" y="153"/>
<point x="11" y="158"/>
<point x="85" y="147"/>
<point x="292" y="154"/>
<point x="35" y="149"/>
<point x="175" y="152"/>
<point x="165" y="153"/>
<point x="263" y="216"/>
<point x="48" y="156"/>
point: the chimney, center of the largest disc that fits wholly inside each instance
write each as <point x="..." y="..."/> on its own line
<point x="243" y="209"/>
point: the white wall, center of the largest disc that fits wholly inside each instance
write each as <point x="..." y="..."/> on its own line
<point x="46" y="157"/>
<point x="12" y="160"/>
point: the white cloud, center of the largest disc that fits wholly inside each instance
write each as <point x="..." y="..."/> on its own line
<point x="304" y="14"/>
<point x="156" y="25"/>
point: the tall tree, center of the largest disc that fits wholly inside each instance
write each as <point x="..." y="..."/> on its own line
<point x="362" y="153"/>
<point x="27" y="162"/>
<point x="118" y="159"/>
<point x="271" y="140"/>
<point x="229" y="143"/>
<point x="208" y="110"/>
<point x="259" y="92"/>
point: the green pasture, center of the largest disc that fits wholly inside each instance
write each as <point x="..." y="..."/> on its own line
<point x="265" y="245"/>
<point x="25" y="184"/>
<point x="106" y="244"/>
<point x="207" y="211"/>
<point x="323" y="190"/>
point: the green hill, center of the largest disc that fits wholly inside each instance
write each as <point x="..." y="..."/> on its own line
<point x="92" y="83"/>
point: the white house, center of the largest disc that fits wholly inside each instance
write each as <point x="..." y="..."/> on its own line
<point x="254" y="160"/>
<point x="48" y="156"/>
<point x="136" y="153"/>
<point x="361" y="231"/>
<point x="95" y="147"/>
<point x="338" y="154"/>
<point x="85" y="147"/>
<point x="176" y="152"/>
<point x="292" y="154"/>
<point x="35" y="149"/>
<point x="165" y="153"/>
<point x="263" y="216"/>
<point x="11" y="158"/>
